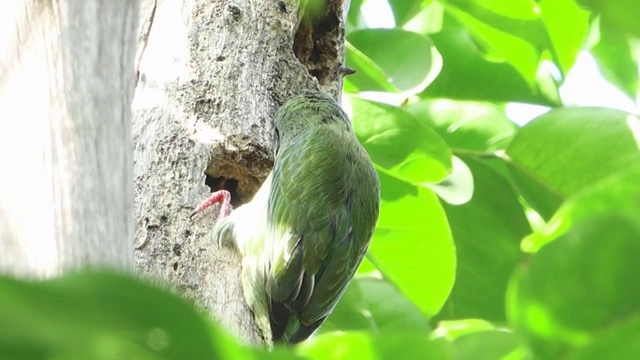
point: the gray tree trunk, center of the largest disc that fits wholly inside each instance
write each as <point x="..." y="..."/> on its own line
<point x="66" y="185"/>
<point x="211" y="74"/>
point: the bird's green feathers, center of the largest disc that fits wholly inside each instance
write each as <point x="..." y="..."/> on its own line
<point x="308" y="228"/>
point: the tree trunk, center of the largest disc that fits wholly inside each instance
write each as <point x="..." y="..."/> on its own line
<point x="66" y="84"/>
<point x="211" y="74"/>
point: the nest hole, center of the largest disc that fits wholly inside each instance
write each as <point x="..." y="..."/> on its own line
<point x="222" y="183"/>
<point x="315" y="40"/>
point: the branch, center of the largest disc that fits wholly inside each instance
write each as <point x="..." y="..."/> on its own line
<point x="211" y="76"/>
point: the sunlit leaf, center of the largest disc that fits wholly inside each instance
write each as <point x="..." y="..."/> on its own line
<point x="399" y="143"/>
<point x="466" y="75"/>
<point x="375" y="305"/>
<point x="466" y="125"/>
<point x="487" y="232"/>
<point x="619" y="342"/>
<point x="369" y="75"/>
<point x="619" y="193"/>
<point x="364" y="346"/>
<point x="509" y="31"/>
<point x="404" y="58"/>
<point x="428" y="20"/>
<point x="453" y="329"/>
<point x="412" y="246"/>
<point x="580" y="286"/>
<point x="622" y="14"/>
<point x="488" y="345"/>
<point x="566" y="150"/>
<point x="457" y="188"/>
<point x="558" y="16"/>
<point x="404" y="10"/>
<point x="617" y="59"/>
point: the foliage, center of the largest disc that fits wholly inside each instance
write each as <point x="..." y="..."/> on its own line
<point x="495" y="241"/>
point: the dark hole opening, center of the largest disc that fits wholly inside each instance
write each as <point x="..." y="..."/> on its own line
<point x="222" y="183"/>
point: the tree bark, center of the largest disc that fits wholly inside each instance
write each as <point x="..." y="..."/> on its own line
<point x="66" y="84"/>
<point x="210" y="77"/>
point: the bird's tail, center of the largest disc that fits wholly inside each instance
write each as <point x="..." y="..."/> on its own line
<point x="295" y="332"/>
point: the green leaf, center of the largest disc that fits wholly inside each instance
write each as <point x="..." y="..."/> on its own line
<point x="509" y="31"/>
<point x="399" y="143"/>
<point x="368" y="74"/>
<point x="489" y="345"/>
<point x="487" y="233"/>
<point x="559" y="16"/>
<point x="428" y="20"/>
<point x="466" y="125"/>
<point x="475" y="339"/>
<point x="579" y="286"/>
<point x="103" y="316"/>
<point x="404" y="10"/>
<point x="412" y="245"/>
<point x="617" y="59"/>
<point x="470" y="128"/>
<point x="375" y="305"/>
<point x="354" y="17"/>
<point x="623" y="14"/>
<point x="620" y="342"/>
<point x="273" y="354"/>
<point x="351" y="313"/>
<point x="514" y="9"/>
<point x="453" y="329"/>
<point x="403" y="59"/>
<point x="466" y="75"/>
<point x="457" y="188"/>
<point x="566" y="150"/>
<point x="619" y="193"/>
<point x="363" y="346"/>
<point x="366" y="268"/>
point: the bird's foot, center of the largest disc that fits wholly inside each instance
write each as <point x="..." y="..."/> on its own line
<point x="221" y="196"/>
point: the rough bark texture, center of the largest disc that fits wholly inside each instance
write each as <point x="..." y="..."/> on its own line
<point x="66" y="183"/>
<point x="211" y="76"/>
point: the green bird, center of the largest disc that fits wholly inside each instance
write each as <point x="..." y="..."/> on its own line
<point x="308" y="227"/>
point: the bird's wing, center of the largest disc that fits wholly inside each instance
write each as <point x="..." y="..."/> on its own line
<point x="322" y="210"/>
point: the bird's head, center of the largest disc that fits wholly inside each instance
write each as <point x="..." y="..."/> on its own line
<point x="307" y="110"/>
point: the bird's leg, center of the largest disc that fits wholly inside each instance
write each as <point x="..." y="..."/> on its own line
<point x="221" y="196"/>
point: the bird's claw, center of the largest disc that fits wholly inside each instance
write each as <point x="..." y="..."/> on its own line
<point x="221" y="196"/>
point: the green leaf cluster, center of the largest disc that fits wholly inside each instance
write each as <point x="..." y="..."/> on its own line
<point x="525" y="236"/>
